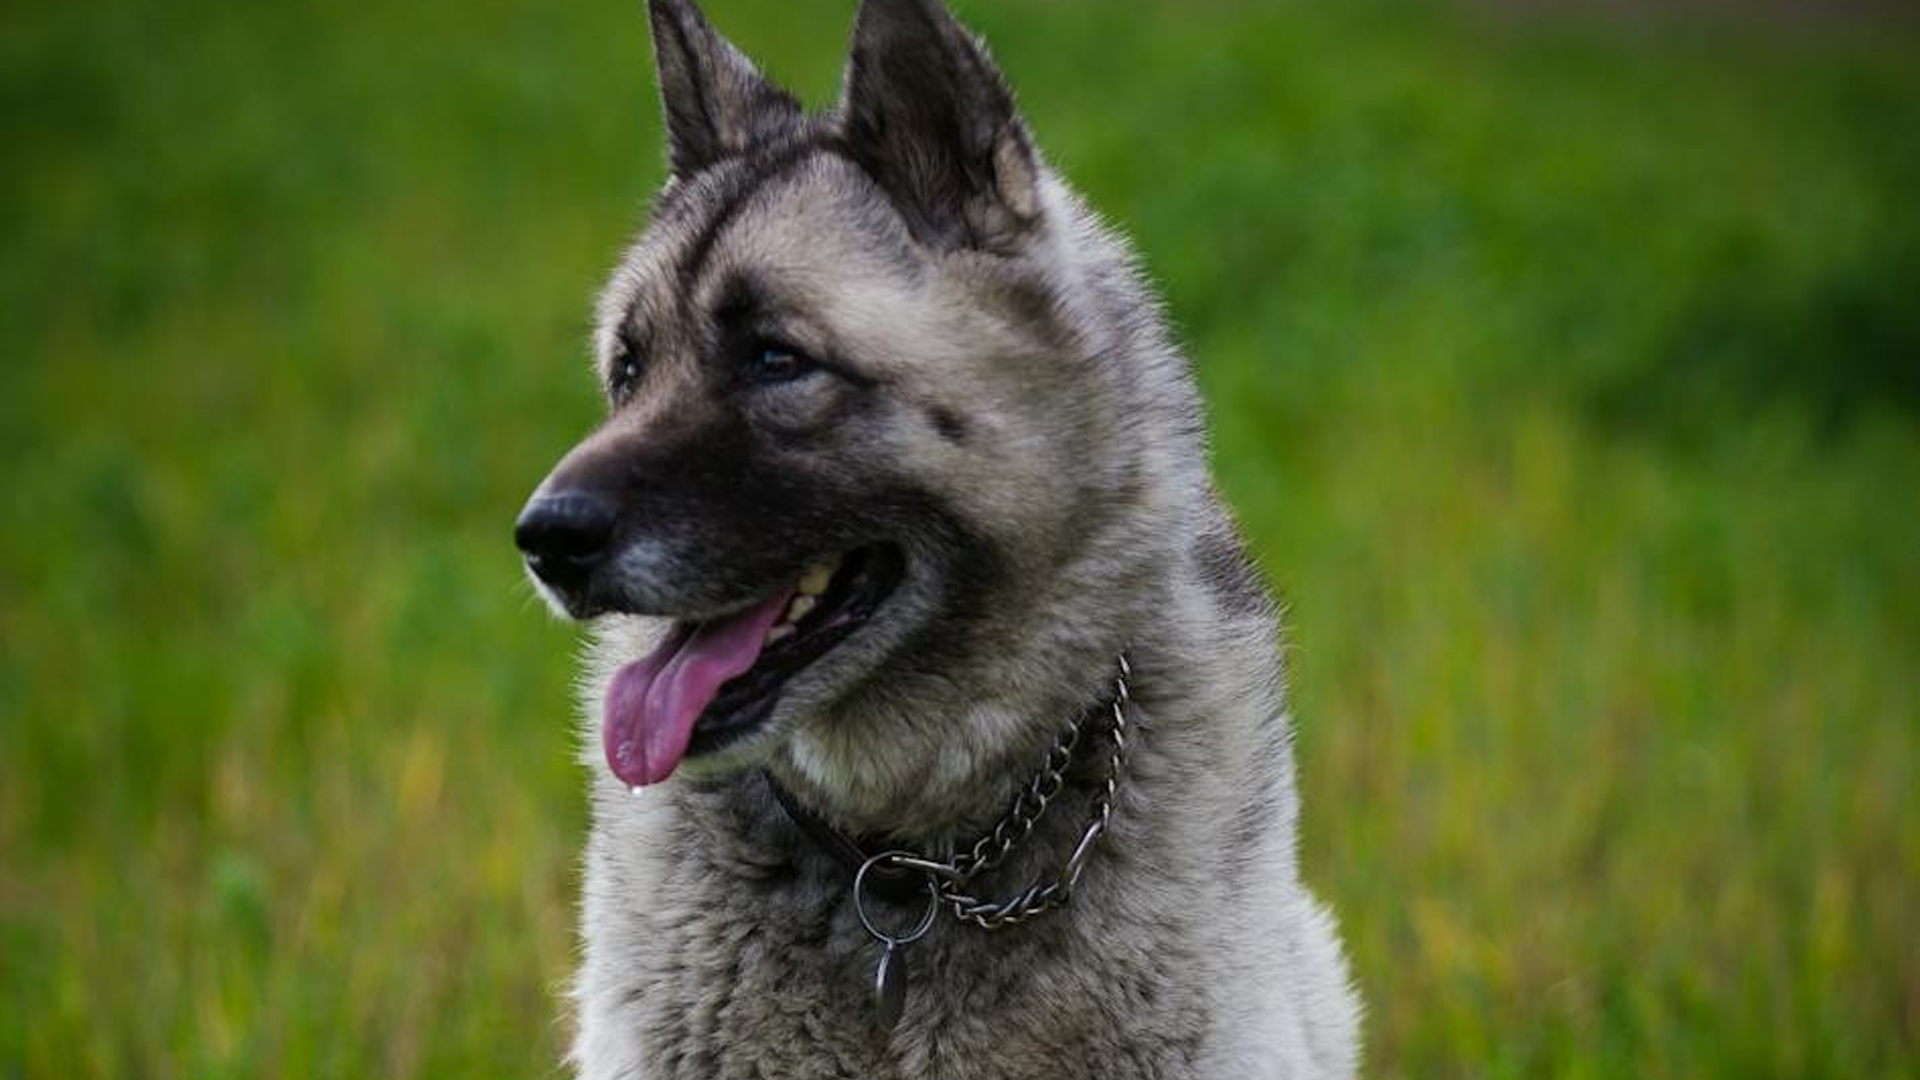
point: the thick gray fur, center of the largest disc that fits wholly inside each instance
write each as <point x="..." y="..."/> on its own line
<point x="1007" y="407"/>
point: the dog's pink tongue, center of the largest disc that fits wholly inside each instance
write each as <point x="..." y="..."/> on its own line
<point x="653" y="702"/>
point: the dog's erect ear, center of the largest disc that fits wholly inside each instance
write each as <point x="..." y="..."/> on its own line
<point x="717" y="103"/>
<point x="927" y="114"/>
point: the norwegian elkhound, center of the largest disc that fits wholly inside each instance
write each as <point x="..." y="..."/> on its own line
<point x="938" y="719"/>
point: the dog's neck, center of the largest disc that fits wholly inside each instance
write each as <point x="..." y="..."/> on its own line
<point x="1067" y="764"/>
<point x="977" y="758"/>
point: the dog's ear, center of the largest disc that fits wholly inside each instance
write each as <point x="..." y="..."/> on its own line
<point x="928" y="115"/>
<point x="716" y="102"/>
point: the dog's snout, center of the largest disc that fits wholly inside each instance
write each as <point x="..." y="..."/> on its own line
<point x="563" y="535"/>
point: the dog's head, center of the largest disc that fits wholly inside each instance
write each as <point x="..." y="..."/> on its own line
<point x="870" y="379"/>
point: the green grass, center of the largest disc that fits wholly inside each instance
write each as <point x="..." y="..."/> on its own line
<point x="1565" y="375"/>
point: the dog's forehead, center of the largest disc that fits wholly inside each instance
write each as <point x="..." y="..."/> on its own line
<point x="808" y="227"/>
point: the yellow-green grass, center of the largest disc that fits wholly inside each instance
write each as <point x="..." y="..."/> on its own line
<point x="1565" y="375"/>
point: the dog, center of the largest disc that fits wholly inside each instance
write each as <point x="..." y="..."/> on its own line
<point x="935" y="710"/>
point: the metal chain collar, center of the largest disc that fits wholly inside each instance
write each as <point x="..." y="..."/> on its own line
<point x="949" y="878"/>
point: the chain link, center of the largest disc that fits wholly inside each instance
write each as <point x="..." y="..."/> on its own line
<point x="951" y="876"/>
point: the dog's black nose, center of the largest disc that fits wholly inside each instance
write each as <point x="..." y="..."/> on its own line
<point x="564" y="535"/>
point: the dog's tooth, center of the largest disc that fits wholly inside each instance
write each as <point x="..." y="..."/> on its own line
<point x="801" y="605"/>
<point x="634" y="791"/>
<point x="815" y="581"/>
<point x="784" y="630"/>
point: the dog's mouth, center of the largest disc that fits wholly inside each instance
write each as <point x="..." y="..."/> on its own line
<point x="711" y="682"/>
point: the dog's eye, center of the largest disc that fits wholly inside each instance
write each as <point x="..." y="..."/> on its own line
<point x="772" y="362"/>
<point x="626" y="370"/>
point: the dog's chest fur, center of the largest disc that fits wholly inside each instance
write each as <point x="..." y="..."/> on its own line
<point x="762" y="1000"/>
<point x="723" y="945"/>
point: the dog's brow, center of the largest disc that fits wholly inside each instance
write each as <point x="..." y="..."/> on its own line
<point x="746" y="301"/>
<point x="633" y="335"/>
<point x="743" y="296"/>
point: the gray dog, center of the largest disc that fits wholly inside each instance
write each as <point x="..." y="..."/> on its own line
<point x="905" y="566"/>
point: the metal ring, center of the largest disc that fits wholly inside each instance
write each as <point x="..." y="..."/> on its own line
<point x="860" y="907"/>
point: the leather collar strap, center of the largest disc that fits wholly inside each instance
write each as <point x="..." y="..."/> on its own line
<point x="889" y="883"/>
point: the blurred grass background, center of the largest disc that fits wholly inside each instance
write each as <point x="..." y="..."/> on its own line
<point x="1565" y="369"/>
